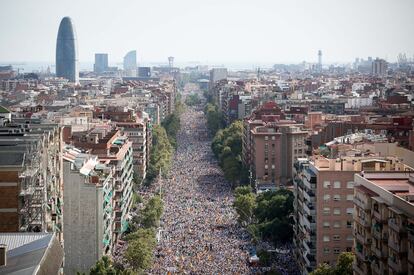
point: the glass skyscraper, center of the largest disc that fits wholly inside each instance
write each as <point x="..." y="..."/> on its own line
<point x="67" y="52"/>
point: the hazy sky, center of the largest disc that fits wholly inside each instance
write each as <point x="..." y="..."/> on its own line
<point x="211" y="30"/>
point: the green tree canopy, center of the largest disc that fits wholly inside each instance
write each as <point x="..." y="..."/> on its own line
<point x="343" y="266"/>
<point x="161" y="153"/>
<point x="245" y="205"/>
<point x="139" y="254"/>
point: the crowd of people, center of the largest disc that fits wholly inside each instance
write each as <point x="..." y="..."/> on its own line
<point x="198" y="233"/>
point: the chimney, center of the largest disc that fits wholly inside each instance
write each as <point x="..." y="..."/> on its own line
<point x="3" y="256"/>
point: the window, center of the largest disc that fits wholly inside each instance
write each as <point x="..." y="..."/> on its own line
<point x="336" y="250"/>
<point x="349" y="197"/>
<point x="326" y="238"/>
<point x="350" y="211"/>
<point x="337" y="184"/>
<point x="326" y="225"/>
<point x="337" y="224"/>
<point x="349" y="224"/>
<point x="327" y="184"/>
<point x="326" y="198"/>
<point x="350" y="184"/>
<point x="337" y="211"/>
<point x="336" y="237"/>
<point x="337" y="197"/>
<point x="266" y="138"/>
<point x="326" y="250"/>
<point x="326" y="210"/>
<point x="266" y="166"/>
<point x="273" y="166"/>
<point x="350" y="238"/>
<point x="273" y="137"/>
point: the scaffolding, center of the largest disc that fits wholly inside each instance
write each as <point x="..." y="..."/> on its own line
<point x="40" y="202"/>
<point x="31" y="190"/>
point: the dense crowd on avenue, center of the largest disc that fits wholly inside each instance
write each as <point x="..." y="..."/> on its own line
<point x="199" y="233"/>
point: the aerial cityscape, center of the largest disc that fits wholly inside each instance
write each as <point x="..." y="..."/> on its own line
<point x="186" y="137"/>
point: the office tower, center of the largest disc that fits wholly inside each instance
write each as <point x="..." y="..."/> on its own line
<point x="319" y="61"/>
<point x="101" y="63"/>
<point x="379" y="67"/>
<point x="130" y="63"/>
<point x="384" y="223"/>
<point x="144" y="71"/>
<point x="324" y="205"/>
<point x="67" y="52"/>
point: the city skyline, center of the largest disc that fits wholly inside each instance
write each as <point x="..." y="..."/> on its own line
<point x="283" y="33"/>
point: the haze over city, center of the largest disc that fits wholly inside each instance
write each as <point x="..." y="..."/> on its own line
<point x="211" y="31"/>
<point x="207" y="137"/>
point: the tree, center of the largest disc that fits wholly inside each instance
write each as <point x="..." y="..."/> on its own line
<point x="151" y="214"/>
<point x="323" y="269"/>
<point x="214" y="118"/>
<point x="343" y="266"/>
<point x="161" y="153"/>
<point x="245" y="205"/>
<point x="226" y="147"/>
<point x="104" y="266"/>
<point x="139" y="254"/>
<point x="344" y="263"/>
<point x="171" y="125"/>
<point x="192" y="100"/>
<point x="243" y="190"/>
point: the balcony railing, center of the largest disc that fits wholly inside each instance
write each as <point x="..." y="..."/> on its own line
<point x="361" y="204"/>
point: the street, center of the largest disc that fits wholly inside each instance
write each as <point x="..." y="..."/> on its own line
<point x="200" y="234"/>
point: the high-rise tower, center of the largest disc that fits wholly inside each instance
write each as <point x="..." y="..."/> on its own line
<point x="130" y="63"/>
<point x="320" y="61"/>
<point x="66" y="51"/>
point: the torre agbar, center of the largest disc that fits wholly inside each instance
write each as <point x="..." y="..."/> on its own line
<point x="66" y="51"/>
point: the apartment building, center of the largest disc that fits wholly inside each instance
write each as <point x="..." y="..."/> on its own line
<point x="31" y="178"/>
<point x="115" y="150"/>
<point x="271" y="145"/>
<point x="89" y="209"/>
<point x="293" y="147"/>
<point x="384" y="222"/>
<point x="265" y="154"/>
<point x="324" y="206"/>
<point x="139" y="134"/>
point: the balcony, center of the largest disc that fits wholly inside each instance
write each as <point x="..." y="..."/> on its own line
<point x="309" y="223"/>
<point x="309" y="209"/>
<point x="411" y="254"/>
<point x="380" y="216"/>
<point x="361" y="204"/>
<point x="365" y="239"/>
<point x="410" y="230"/>
<point x="400" y="246"/>
<point x="310" y="260"/>
<point x="398" y="266"/>
<point x="380" y="253"/>
<point x="378" y="267"/>
<point x="361" y="252"/>
<point x="310" y="247"/>
<point x="364" y="222"/>
<point x="379" y="231"/>
<point x="357" y="269"/>
<point x="396" y="226"/>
